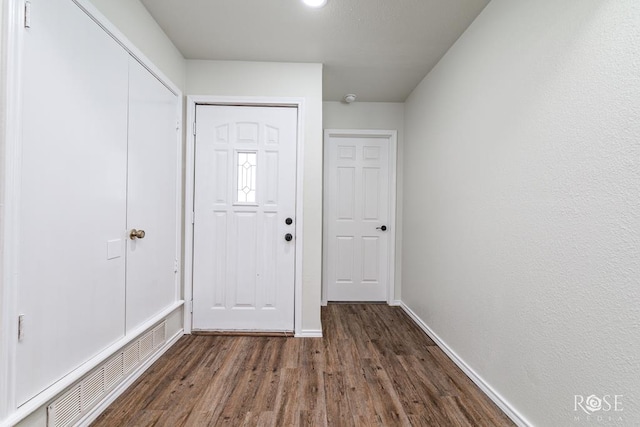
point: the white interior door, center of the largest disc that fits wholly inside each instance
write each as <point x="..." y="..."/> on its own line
<point x="152" y="262"/>
<point x="244" y="218"/>
<point x="357" y="202"/>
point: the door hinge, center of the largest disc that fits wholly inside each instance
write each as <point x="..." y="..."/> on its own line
<point x="20" y="327"/>
<point x="194" y="128"/>
<point x="175" y="266"/>
<point x="177" y="125"/>
<point x="193" y="217"/>
<point x="191" y="306"/>
<point x="27" y="14"/>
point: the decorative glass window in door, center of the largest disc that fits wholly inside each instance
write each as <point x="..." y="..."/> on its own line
<point x="247" y="174"/>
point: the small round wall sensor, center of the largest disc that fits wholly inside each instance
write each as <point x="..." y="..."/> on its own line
<point x="349" y="98"/>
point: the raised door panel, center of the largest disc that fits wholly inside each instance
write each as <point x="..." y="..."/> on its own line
<point x="245" y="251"/>
<point x="73" y="194"/>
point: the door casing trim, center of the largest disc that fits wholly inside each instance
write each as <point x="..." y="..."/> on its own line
<point x="255" y="101"/>
<point x="392" y="137"/>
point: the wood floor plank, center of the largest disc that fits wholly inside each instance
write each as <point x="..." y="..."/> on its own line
<point x="374" y="367"/>
<point x="287" y="401"/>
<point x="312" y="396"/>
<point x="314" y="418"/>
<point x="338" y="409"/>
<point x="473" y="399"/>
<point x="417" y="404"/>
<point x="385" y="399"/>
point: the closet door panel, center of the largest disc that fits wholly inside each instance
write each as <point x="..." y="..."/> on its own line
<point x="73" y="194"/>
<point x="152" y="191"/>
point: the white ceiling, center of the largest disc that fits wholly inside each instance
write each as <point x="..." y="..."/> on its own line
<point x="377" y="49"/>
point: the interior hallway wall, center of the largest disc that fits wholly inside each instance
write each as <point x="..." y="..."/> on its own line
<point x="522" y="204"/>
<point x="270" y="79"/>
<point x="374" y="115"/>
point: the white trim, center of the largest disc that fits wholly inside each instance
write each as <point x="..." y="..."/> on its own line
<point x="122" y="387"/>
<point x="179" y="209"/>
<point x="395" y="303"/>
<point x="299" y="217"/>
<point x="392" y="136"/>
<point x="192" y="102"/>
<point x="189" y="178"/>
<point x="309" y="333"/>
<point x="492" y="394"/>
<point x="60" y="386"/>
<point x="12" y="36"/>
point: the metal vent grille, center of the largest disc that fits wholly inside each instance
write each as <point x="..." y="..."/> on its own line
<point x="131" y="357"/>
<point x="113" y="371"/>
<point x="66" y="409"/>
<point x="86" y="393"/>
<point x="146" y="345"/>
<point x="92" y="387"/>
<point x="159" y="334"/>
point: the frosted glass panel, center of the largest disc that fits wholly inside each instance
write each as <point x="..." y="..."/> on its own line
<point x="247" y="172"/>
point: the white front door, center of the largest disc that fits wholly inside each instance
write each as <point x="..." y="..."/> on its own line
<point x="358" y="217"/>
<point x="244" y="218"/>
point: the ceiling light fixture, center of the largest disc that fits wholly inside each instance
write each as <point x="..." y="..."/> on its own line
<point x="315" y="3"/>
<point x="349" y="98"/>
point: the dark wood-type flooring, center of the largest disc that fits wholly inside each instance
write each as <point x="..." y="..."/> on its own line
<point x="374" y="367"/>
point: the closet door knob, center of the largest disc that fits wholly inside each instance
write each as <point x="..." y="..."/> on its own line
<point x="137" y="234"/>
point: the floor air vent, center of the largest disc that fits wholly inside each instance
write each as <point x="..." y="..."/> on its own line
<point x="82" y="396"/>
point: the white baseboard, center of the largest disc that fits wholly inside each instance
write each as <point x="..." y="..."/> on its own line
<point x="309" y="333"/>
<point x="395" y="303"/>
<point x="500" y="401"/>
<point x="94" y="413"/>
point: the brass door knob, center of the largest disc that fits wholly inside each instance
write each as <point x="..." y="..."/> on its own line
<point x="136" y="234"/>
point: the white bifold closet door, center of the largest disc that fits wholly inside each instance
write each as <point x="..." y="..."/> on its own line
<point x="152" y="262"/>
<point x="92" y="118"/>
<point x="73" y="194"/>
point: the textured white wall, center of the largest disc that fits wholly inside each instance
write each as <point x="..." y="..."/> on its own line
<point x="132" y="18"/>
<point x="238" y="78"/>
<point x="374" y="115"/>
<point x="522" y="203"/>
